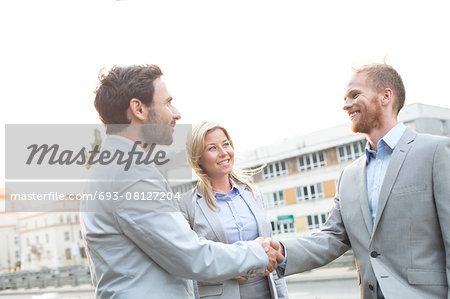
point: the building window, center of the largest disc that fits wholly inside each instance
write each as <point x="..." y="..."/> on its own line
<point x="61" y="220"/>
<point x="313" y="160"/>
<point x="28" y="241"/>
<point x="275" y="169"/>
<point x="76" y="219"/>
<point x="17" y="254"/>
<point x="16" y="240"/>
<point x="274" y="199"/>
<point x="46" y="238"/>
<point x="68" y="254"/>
<point x="316" y="221"/>
<point x="285" y="228"/>
<point x="83" y="252"/>
<point x="351" y="151"/>
<point x="66" y="236"/>
<point x="68" y="219"/>
<point x="37" y="239"/>
<point x="309" y="192"/>
<point x="444" y="128"/>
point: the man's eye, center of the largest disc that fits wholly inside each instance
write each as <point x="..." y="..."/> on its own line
<point x="355" y="95"/>
<point x="211" y="148"/>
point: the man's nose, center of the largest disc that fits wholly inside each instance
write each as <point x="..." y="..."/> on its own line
<point x="176" y="113"/>
<point x="347" y="104"/>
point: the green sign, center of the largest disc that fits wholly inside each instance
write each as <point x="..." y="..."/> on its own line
<point x="285" y="219"/>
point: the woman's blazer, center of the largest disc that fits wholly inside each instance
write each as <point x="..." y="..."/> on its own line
<point x="206" y="223"/>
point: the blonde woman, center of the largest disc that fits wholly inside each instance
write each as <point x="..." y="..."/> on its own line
<point x="224" y="207"/>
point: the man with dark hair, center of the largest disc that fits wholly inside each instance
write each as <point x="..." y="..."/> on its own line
<point x="392" y="205"/>
<point x="139" y="92"/>
<point x="119" y="86"/>
<point x="141" y="247"/>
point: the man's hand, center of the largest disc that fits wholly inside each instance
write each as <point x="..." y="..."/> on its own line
<point x="244" y="278"/>
<point x="274" y="251"/>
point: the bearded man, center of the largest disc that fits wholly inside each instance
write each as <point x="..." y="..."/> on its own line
<point x="392" y="205"/>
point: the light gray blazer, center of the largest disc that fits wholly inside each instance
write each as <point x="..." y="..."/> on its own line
<point x="146" y="249"/>
<point x="407" y="249"/>
<point x="206" y="223"/>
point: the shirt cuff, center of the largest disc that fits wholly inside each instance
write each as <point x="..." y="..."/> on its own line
<point x="282" y="266"/>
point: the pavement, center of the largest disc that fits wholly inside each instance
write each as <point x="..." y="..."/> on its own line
<point x="325" y="273"/>
<point x="320" y="274"/>
<point x="87" y="288"/>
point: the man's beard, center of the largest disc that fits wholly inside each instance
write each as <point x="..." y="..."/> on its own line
<point x="368" y="120"/>
<point x="154" y="132"/>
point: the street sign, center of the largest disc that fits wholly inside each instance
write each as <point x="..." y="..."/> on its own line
<point x="285" y="219"/>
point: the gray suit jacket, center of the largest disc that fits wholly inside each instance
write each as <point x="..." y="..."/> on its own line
<point x="146" y="249"/>
<point x="206" y="223"/>
<point x="407" y="249"/>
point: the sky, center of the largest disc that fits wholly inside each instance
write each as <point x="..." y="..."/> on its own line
<point x="265" y="70"/>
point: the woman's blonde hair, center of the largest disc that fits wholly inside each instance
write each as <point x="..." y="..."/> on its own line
<point x="195" y="146"/>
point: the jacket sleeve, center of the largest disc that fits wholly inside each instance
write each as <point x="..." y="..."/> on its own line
<point x="313" y="251"/>
<point x="441" y="190"/>
<point x="159" y="229"/>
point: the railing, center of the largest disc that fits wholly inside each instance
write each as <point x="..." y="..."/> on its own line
<point x="72" y="276"/>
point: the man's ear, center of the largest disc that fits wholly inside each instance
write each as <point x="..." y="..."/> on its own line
<point x="137" y="109"/>
<point x="388" y="97"/>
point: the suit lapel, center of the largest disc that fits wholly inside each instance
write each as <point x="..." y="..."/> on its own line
<point x="395" y="164"/>
<point x="364" y="202"/>
<point x="213" y="219"/>
<point x="253" y="206"/>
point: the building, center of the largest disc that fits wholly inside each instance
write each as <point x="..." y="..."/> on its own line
<point x="50" y="239"/>
<point x="34" y="240"/>
<point x="9" y="238"/>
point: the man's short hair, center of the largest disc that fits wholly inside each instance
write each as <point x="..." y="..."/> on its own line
<point x="381" y="76"/>
<point x="118" y="87"/>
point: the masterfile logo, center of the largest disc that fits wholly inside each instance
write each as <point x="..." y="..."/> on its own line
<point x="48" y="164"/>
<point x="52" y="155"/>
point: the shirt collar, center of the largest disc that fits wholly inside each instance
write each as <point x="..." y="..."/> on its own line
<point x="230" y="195"/>
<point x="391" y="139"/>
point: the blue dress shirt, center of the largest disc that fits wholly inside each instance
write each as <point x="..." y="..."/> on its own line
<point x="237" y="219"/>
<point x="377" y="164"/>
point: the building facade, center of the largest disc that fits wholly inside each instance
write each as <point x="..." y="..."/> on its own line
<point x="50" y="239"/>
<point x="9" y="238"/>
<point x="34" y="240"/>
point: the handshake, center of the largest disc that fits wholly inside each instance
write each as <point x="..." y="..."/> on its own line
<point x="275" y="252"/>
